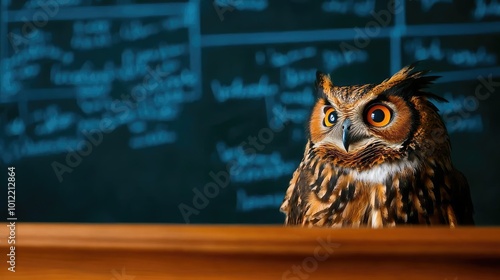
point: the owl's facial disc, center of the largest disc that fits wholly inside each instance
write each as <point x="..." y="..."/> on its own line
<point x="355" y="126"/>
<point x="351" y="126"/>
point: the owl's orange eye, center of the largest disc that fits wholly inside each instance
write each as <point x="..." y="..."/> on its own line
<point x="378" y="115"/>
<point x="330" y="117"/>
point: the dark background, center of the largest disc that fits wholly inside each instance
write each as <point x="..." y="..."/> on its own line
<point x="172" y="92"/>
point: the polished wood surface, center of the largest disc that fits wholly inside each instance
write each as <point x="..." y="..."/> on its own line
<point x="136" y="251"/>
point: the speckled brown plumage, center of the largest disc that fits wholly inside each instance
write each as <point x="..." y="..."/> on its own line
<point x="357" y="174"/>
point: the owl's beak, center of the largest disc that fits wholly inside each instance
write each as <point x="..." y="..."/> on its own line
<point x="346" y="136"/>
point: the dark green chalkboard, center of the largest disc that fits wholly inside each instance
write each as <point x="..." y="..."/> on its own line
<point x="196" y="111"/>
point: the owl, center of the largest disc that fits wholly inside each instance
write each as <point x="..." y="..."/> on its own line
<point x="377" y="155"/>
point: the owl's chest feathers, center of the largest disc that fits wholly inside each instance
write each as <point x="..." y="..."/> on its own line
<point x="380" y="173"/>
<point x="384" y="195"/>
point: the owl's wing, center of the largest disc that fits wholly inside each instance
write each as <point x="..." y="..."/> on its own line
<point x="312" y="196"/>
<point x="461" y="200"/>
<point x="292" y="204"/>
<point x="297" y="205"/>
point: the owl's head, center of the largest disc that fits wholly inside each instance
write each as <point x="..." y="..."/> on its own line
<point x="364" y="125"/>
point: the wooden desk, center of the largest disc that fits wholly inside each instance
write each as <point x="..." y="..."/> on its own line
<point x="136" y="252"/>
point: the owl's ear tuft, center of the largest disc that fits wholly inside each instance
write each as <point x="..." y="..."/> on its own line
<point x="408" y="82"/>
<point x="323" y="84"/>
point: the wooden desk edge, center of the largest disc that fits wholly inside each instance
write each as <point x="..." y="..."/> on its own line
<point x="208" y="252"/>
<point x="261" y="239"/>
